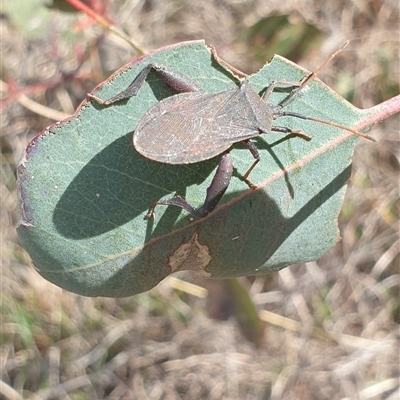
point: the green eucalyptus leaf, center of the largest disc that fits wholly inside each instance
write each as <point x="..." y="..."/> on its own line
<point x="84" y="190"/>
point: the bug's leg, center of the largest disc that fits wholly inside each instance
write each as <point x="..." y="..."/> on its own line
<point x="256" y="155"/>
<point x="177" y="201"/>
<point x="219" y="184"/>
<point x="283" y="129"/>
<point x="274" y="84"/>
<point x="172" y="78"/>
<point x="225" y="64"/>
<point x="215" y="192"/>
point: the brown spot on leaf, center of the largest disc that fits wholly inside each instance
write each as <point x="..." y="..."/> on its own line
<point x="191" y="256"/>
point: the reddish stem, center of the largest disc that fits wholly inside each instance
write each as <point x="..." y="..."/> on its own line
<point x="90" y="12"/>
<point x="380" y="112"/>
<point x="105" y="23"/>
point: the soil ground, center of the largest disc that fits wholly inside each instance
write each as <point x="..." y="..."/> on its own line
<point x="331" y="326"/>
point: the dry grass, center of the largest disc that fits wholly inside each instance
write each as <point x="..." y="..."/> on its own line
<point x="332" y="326"/>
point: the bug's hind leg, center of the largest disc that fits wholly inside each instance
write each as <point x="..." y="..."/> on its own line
<point x="173" y="79"/>
<point x="177" y="201"/>
<point x="215" y="192"/>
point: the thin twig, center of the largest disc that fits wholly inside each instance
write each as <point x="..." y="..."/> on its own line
<point x="106" y="24"/>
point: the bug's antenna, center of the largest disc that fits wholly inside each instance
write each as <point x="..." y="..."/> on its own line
<point x="295" y="92"/>
<point x="314" y="74"/>
<point x="329" y="123"/>
<point x="311" y="76"/>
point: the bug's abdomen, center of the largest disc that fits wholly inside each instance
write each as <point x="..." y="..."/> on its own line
<point x="170" y="133"/>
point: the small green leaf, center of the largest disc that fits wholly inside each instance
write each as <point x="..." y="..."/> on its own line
<point x="84" y="190"/>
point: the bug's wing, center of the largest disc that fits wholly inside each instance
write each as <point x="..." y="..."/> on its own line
<point x="191" y="127"/>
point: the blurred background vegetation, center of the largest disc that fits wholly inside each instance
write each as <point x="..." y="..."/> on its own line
<point x="330" y="328"/>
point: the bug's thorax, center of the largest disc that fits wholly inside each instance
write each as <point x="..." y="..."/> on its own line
<point x="261" y="111"/>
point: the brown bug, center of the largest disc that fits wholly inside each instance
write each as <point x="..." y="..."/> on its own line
<point x="197" y="126"/>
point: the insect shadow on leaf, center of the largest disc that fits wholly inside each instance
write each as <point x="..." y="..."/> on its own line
<point x="198" y="126"/>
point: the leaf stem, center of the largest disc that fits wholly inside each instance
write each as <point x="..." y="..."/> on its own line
<point x="380" y="112"/>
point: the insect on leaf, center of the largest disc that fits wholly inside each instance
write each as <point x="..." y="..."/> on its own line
<point x="84" y="189"/>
